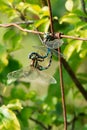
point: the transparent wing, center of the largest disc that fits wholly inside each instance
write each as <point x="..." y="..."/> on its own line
<point x="54" y="44"/>
<point x="43" y="48"/>
<point x="41" y="78"/>
<point x="29" y="74"/>
<point x="47" y="78"/>
<point x="28" y="71"/>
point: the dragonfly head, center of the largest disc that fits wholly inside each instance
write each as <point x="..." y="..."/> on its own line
<point x="48" y="37"/>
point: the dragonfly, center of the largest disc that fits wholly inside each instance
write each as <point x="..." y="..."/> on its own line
<point x="50" y="44"/>
<point x="33" y="72"/>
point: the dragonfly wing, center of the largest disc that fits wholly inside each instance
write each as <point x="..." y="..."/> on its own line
<point x="54" y="44"/>
<point x="42" y="48"/>
<point x="47" y="78"/>
<point x="38" y="76"/>
<point x="31" y="76"/>
<point x="14" y="75"/>
<point x="57" y="43"/>
<point x="25" y="74"/>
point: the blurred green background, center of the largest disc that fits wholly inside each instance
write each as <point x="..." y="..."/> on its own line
<point x="36" y="105"/>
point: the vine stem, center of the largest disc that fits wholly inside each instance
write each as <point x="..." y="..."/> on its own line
<point x="60" y="71"/>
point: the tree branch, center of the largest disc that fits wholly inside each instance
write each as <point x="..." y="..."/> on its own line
<point x="39" y="123"/>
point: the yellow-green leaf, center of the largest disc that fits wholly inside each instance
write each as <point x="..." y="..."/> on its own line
<point x="70" y="18"/>
<point x="8" y="120"/>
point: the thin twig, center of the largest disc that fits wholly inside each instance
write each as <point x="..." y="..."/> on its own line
<point x="20" y="28"/>
<point x="51" y="18"/>
<point x="62" y="91"/>
<point x="38" y="122"/>
<point x="42" y="33"/>
<point x="72" y="37"/>
<point x="72" y="75"/>
<point x="60" y="71"/>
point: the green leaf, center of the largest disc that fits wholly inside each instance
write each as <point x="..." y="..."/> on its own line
<point x="2" y="50"/>
<point x="35" y="9"/>
<point x="80" y="25"/>
<point x="85" y="127"/>
<point x="83" y="33"/>
<point x="71" y="47"/>
<point x="26" y="113"/>
<point x="9" y="34"/>
<point x="43" y="24"/>
<point x="15" y="105"/>
<point x="12" y="39"/>
<point x="44" y="12"/>
<point x="70" y="18"/>
<point x="8" y="120"/>
<point x="83" y="53"/>
<point x="19" y="93"/>
<point x="79" y="12"/>
<point x="31" y="95"/>
<point x="3" y="57"/>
